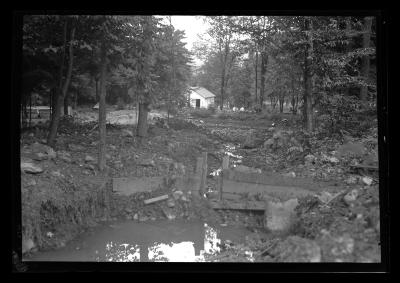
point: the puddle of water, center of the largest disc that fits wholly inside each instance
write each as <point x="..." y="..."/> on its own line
<point x="177" y="241"/>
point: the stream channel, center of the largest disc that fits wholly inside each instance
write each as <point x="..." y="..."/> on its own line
<point x="130" y="241"/>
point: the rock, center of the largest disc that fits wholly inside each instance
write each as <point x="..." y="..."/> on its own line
<point x="147" y="162"/>
<point x="89" y="158"/>
<point x="309" y="158"/>
<point x="296" y="249"/>
<point x="143" y="218"/>
<point x="30" y="167"/>
<point x="170" y="203"/>
<point x="113" y="147"/>
<point x="351" y="196"/>
<point x="184" y="199"/>
<point x="40" y="156"/>
<point x="57" y="174"/>
<point x="51" y="153"/>
<point x="127" y="133"/>
<point x="290" y="174"/>
<point x="350" y="148"/>
<point x="367" y="180"/>
<point x="250" y="141"/>
<point x="27" y="245"/>
<point x="177" y="194"/>
<point x="279" y="216"/>
<point x="268" y="143"/>
<point x="108" y="156"/>
<point x="245" y="169"/>
<point x="169" y="213"/>
<point x="31" y="183"/>
<point x="76" y="147"/>
<point x="351" y="180"/>
<point x="338" y="248"/>
<point x="136" y="216"/>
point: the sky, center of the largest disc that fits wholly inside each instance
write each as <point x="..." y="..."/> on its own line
<point x="192" y="26"/>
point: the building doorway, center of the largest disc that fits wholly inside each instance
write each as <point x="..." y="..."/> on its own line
<point x="197" y="103"/>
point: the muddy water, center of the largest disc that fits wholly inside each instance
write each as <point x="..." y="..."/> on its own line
<point x="177" y="241"/>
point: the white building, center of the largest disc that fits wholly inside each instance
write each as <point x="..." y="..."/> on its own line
<point x="200" y="97"/>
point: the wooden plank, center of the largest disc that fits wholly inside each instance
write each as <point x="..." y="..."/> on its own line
<point x="360" y="166"/>
<point x="127" y="185"/>
<point x="156" y="199"/>
<point x="230" y="186"/>
<point x="254" y="205"/>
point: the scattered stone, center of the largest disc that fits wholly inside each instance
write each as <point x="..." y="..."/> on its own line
<point x="113" y="147"/>
<point x="351" y="180"/>
<point x="296" y="249"/>
<point x="57" y="174"/>
<point x="184" y="199"/>
<point x="51" y="153"/>
<point x="367" y="180"/>
<point x="89" y="158"/>
<point x="31" y="168"/>
<point x="268" y="143"/>
<point x="279" y="216"/>
<point x="136" y="216"/>
<point x="168" y="213"/>
<point x="27" y="245"/>
<point x="309" y="158"/>
<point x="337" y="248"/>
<point x="143" y="218"/>
<point x="64" y="156"/>
<point x="31" y="183"/>
<point x="170" y="203"/>
<point x="40" y="156"/>
<point x="177" y="194"/>
<point x="290" y="174"/>
<point x="351" y="196"/>
<point x="147" y="162"/>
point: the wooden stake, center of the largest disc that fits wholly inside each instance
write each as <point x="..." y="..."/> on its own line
<point x="225" y="165"/>
<point x="203" y="181"/>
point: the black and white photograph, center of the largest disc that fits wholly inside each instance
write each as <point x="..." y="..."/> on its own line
<point x="200" y="138"/>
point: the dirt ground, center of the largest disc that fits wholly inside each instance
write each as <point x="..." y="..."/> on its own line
<point x="71" y="194"/>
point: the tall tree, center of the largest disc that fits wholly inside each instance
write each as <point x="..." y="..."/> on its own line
<point x="365" y="62"/>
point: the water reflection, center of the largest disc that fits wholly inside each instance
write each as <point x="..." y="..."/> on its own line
<point x="162" y="252"/>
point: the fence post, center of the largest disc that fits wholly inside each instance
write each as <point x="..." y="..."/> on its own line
<point x="225" y="165"/>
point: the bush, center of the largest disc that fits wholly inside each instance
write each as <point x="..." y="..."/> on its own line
<point x="212" y="109"/>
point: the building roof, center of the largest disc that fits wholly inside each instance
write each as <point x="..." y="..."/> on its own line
<point x="203" y="92"/>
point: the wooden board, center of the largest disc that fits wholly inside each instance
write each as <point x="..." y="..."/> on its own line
<point x="253" y="205"/>
<point x="127" y="186"/>
<point x="283" y="192"/>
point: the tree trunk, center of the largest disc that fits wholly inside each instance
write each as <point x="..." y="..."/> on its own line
<point x="142" y="120"/>
<point x="102" y="109"/>
<point x="308" y="88"/>
<point x="256" y="69"/>
<point x="66" y="102"/>
<point x="365" y="59"/>
<point x="264" y="62"/>
<point x="60" y="97"/>
<point x="97" y="89"/>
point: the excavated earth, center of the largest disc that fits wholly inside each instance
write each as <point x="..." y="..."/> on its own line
<point x="339" y="222"/>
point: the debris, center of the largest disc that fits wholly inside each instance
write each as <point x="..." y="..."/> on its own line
<point x="89" y="158"/>
<point x="136" y="216"/>
<point x="184" y="199"/>
<point x="27" y="245"/>
<point x="143" y="218"/>
<point x="309" y="158"/>
<point x="147" y="162"/>
<point x="351" y="196"/>
<point x="279" y="216"/>
<point x="57" y="174"/>
<point x="351" y="180"/>
<point x="29" y="167"/>
<point x="156" y="199"/>
<point x="367" y="180"/>
<point x="296" y="249"/>
<point x="50" y="234"/>
<point x="31" y="183"/>
<point x="177" y="194"/>
<point x="64" y="156"/>
<point x="40" y="156"/>
<point x="290" y="174"/>
<point x="170" y="203"/>
<point x="168" y="213"/>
